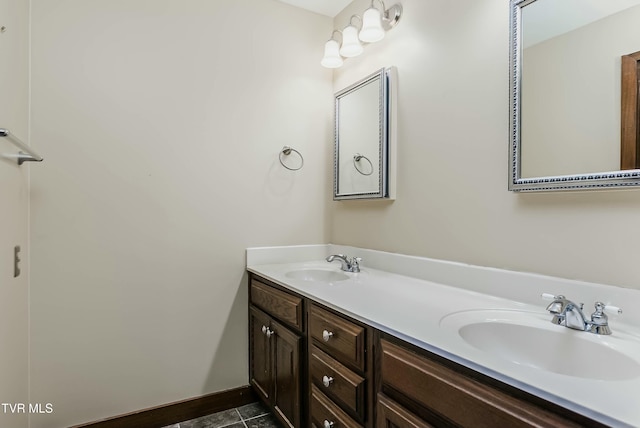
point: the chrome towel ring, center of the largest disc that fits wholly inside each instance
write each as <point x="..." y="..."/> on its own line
<point x="356" y="159"/>
<point x="286" y="151"/>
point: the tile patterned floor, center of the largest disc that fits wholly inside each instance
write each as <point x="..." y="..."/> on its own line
<point x="253" y="415"/>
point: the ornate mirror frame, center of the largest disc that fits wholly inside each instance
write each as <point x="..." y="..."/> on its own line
<point x="386" y="131"/>
<point x="597" y="180"/>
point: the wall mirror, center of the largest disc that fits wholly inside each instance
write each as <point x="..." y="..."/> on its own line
<point x="364" y="148"/>
<point x="570" y="109"/>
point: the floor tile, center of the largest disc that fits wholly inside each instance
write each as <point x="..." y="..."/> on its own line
<point x="252" y="410"/>
<point x="267" y="421"/>
<point x="217" y="420"/>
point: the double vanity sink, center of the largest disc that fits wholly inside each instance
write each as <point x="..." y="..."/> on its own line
<point x="519" y="336"/>
<point x="513" y="341"/>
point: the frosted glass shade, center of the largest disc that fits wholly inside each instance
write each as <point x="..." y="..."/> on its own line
<point x="332" y="58"/>
<point x="350" y="44"/>
<point x="372" y="30"/>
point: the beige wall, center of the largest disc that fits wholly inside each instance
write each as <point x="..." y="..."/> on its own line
<point x="161" y="123"/>
<point x="452" y="199"/>
<point x="571" y="97"/>
<point x="14" y="199"/>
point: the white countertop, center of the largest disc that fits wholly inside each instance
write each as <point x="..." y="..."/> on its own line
<point x="412" y="309"/>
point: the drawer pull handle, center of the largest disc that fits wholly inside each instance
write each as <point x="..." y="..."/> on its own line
<point x="327" y="381"/>
<point x="264" y="329"/>
<point x="270" y="333"/>
<point x="328" y="424"/>
<point x="326" y="335"/>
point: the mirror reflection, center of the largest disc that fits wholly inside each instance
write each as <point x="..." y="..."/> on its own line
<point x="359" y="131"/>
<point x="571" y="84"/>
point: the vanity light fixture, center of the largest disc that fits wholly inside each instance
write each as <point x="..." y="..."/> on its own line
<point x="372" y="30"/>
<point x="332" y="58"/>
<point x="374" y="23"/>
<point x="351" y="45"/>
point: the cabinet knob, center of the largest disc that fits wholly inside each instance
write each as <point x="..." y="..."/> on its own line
<point x="264" y="329"/>
<point x="328" y="424"/>
<point x="327" y="381"/>
<point x="326" y="335"/>
<point x="270" y="333"/>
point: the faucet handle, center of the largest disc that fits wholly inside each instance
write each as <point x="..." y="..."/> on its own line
<point x="600" y="321"/>
<point x="614" y="310"/>
<point x="556" y="307"/>
<point x="598" y="317"/>
<point x="601" y="308"/>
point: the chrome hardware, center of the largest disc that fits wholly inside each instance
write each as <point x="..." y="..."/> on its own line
<point x="347" y="264"/>
<point x="328" y="424"/>
<point x="270" y="333"/>
<point x="286" y="151"/>
<point x="326" y="335"/>
<point x="600" y="320"/>
<point x="26" y="154"/>
<point x="264" y="329"/>
<point x="327" y="381"/>
<point x="356" y="160"/>
<point x="569" y="314"/>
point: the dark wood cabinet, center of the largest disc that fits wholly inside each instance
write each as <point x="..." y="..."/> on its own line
<point x="339" y="369"/>
<point x="261" y="365"/>
<point x="275" y="352"/>
<point x="327" y="414"/>
<point x="393" y="415"/>
<point x="316" y="367"/>
<point x="287" y="378"/>
<point x="339" y="383"/>
<point x="417" y="387"/>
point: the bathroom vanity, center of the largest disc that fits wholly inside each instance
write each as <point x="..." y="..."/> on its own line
<point x="323" y="376"/>
<point x="327" y="350"/>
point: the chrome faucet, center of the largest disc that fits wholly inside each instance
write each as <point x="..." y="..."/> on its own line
<point x="569" y="314"/>
<point x="347" y="264"/>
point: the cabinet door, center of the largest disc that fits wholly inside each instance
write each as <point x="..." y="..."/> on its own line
<point x="286" y="400"/>
<point x="260" y="365"/>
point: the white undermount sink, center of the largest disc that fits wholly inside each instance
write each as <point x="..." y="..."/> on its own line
<point x="317" y="275"/>
<point x="530" y="339"/>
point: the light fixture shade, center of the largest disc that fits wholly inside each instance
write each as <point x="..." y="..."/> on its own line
<point x="372" y="30"/>
<point x="350" y="44"/>
<point x="332" y="58"/>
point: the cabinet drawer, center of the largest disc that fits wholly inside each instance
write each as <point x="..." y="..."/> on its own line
<point x="283" y="306"/>
<point x="342" y="339"/>
<point x="338" y="382"/>
<point x="324" y="412"/>
<point x="461" y="399"/>
<point x="391" y="414"/>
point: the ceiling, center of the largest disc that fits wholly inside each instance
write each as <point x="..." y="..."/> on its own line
<point x="324" y="7"/>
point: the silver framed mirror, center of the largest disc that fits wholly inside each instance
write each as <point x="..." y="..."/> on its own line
<point x="565" y="105"/>
<point x="364" y="138"/>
